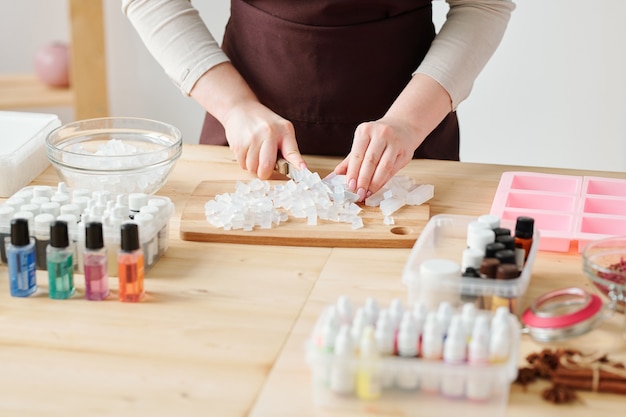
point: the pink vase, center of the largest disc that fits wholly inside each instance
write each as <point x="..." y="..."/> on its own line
<point x="52" y="65"/>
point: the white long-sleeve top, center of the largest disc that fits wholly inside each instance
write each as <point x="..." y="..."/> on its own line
<point x="178" y="39"/>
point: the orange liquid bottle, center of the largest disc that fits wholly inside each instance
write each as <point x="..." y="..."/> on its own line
<point x="130" y="264"/>
<point x="524" y="229"/>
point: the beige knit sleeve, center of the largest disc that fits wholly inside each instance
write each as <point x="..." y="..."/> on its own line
<point x="470" y="35"/>
<point x="177" y="38"/>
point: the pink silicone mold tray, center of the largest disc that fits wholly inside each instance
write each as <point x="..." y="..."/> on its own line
<point x="565" y="208"/>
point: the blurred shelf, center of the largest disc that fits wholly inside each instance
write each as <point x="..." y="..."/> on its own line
<point x="88" y="94"/>
<point x="19" y="91"/>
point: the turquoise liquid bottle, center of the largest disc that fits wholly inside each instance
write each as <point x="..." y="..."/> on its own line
<point x="60" y="260"/>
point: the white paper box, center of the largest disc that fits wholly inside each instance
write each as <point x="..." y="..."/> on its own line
<point x="22" y="148"/>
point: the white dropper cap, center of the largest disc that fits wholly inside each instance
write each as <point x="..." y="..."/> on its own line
<point x="396" y="310"/>
<point x="384" y="333"/>
<point x="344" y="309"/>
<point x="478" y="348"/>
<point x="408" y="336"/>
<point x="330" y="328"/>
<point x="344" y="345"/>
<point x="367" y="346"/>
<point x="371" y="310"/>
<point x="432" y="337"/>
<point x="420" y="311"/>
<point x="499" y="344"/>
<point x="444" y="315"/>
<point x="468" y="316"/>
<point x="359" y="322"/>
<point x="455" y="344"/>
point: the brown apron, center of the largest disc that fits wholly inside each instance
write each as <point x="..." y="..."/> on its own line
<point x="328" y="66"/>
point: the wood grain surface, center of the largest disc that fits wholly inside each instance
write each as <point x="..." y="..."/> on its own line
<point x="409" y="222"/>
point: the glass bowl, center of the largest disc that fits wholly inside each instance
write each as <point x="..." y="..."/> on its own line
<point x="604" y="263"/>
<point x="121" y="155"/>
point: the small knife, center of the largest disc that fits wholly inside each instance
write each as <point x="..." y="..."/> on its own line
<point x="284" y="167"/>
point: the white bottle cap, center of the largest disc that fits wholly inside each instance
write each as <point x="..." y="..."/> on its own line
<point x="6" y="213"/>
<point x="43" y="191"/>
<point x="480" y="238"/>
<point x="435" y="269"/>
<point x="367" y="346"/>
<point x="32" y="208"/>
<point x="455" y="344"/>
<point x="432" y="338"/>
<point x="371" y="310"/>
<point x="344" y="309"/>
<point x="358" y="324"/>
<point x="472" y="257"/>
<point x="344" y="345"/>
<point x="499" y="344"/>
<point x="408" y="336"/>
<point x="468" y="316"/>
<point x="384" y="333"/>
<point x="478" y="348"/>
<point x="328" y="328"/>
<point x="136" y="201"/>
<point x="396" y="310"/>
<point x="491" y="219"/>
<point x="444" y="315"/>
<point x="420" y="311"/>
<point x="70" y="209"/>
<point x="476" y="225"/>
<point x="42" y="223"/>
<point x="60" y="198"/>
<point x="51" y="207"/>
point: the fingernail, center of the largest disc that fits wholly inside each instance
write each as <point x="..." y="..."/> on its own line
<point x="352" y="185"/>
<point x="361" y="194"/>
<point x="368" y="194"/>
<point x="330" y="176"/>
<point x="303" y="166"/>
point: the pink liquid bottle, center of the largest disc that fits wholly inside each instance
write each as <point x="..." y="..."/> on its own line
<point x="95" y="263"/>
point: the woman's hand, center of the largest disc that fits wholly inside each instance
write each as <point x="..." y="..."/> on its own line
<point x="379" y="150"/>
<point x="382" y="147"/>
<point x="254" y="132"/>
<point x="256" y="135"/>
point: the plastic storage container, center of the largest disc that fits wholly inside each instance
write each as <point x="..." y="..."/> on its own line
<point x="22" y="148"/>
<point x="566" y="208"/>
<point x="356" y="381"/>
<point x="445" y="238"/>
<point x="80" y="206"/>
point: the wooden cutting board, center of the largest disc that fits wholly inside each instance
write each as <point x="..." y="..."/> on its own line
<point x="409" y="222"/>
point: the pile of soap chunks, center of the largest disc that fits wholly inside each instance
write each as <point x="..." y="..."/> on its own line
<point x="257" y="203"/>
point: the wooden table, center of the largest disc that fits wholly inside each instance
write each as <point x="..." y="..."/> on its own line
<point x="222" y="329"/>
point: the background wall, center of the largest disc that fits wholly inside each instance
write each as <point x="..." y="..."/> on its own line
<point x="553" y="95"/>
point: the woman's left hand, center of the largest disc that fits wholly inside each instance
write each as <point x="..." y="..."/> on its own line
<point x="379" y="150"/>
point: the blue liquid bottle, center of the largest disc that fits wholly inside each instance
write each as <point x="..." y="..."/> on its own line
<point x="21" y="260"/>
<point x="60" y="259"/>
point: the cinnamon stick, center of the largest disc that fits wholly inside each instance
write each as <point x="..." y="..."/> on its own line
<point x="612" y="387"/>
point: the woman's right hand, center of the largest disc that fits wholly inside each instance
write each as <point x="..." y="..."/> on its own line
<point x="257" y="135"/>
<point x="254" y="132"/>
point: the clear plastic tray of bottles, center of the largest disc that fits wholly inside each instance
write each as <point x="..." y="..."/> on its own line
<point x="42" y="204"/>
<point x="444" y="239"/>
<point x="370" y="362"/>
